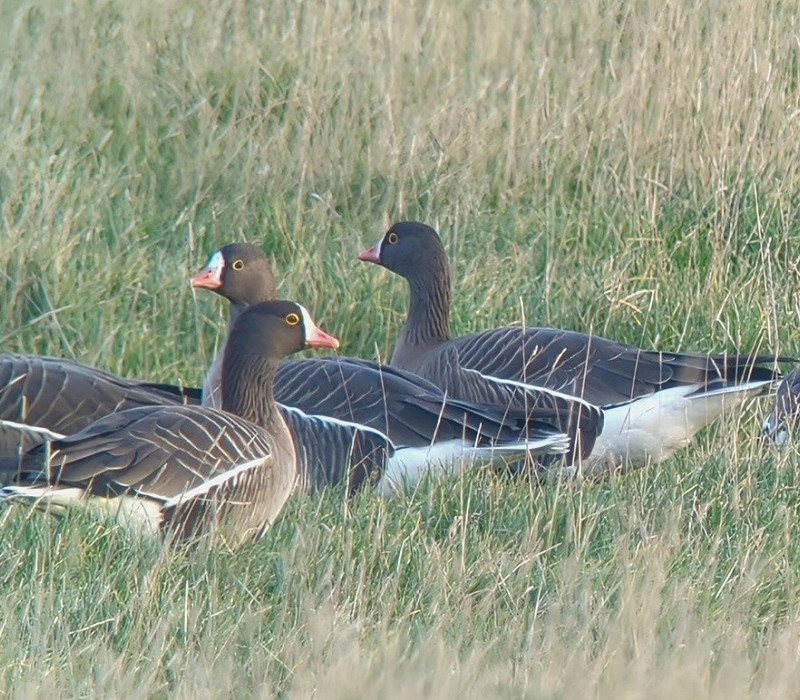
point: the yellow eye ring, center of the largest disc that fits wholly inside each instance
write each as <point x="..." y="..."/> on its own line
<point x="391" y="238"/>
<point x="292" y="318"/>
<point x="237" y="264"/>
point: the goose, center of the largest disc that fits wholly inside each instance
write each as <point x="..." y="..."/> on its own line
<point x="186" y="470"/>
<point x="653" y="402"/>
<point x="780" y="422"/>
<point x="41" y="395"/>
<point x="426" y="429"/>
<point x="241" y="273"/>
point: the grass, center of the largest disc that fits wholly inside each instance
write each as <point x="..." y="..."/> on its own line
<point x="628" y="168"/>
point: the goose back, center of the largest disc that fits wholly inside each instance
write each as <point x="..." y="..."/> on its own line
<point x="414" y="412"/>
<point x="600" y="371"/>
<point x="330" y="452"/>
<point x="64" y="396"/>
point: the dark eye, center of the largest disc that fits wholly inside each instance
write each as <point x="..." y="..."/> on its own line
<point x="392" y="237"/>
<point x="237" y="264"/>
<point x="292" y="318"/>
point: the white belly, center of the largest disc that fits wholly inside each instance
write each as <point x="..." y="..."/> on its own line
<point x="409" y="464"/>
<point x="653" y="428"/>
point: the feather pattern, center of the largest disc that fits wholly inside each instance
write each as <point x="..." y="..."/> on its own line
<point x="65" y="396"/>
<point x="330" y="452"/>
<point x="164" y="454"/>
<point x="599" y="371"/>
<point x="47" y="397"/>
<point x="782" y="420"/>
<point x="189" y="468"/>
<point x="407" y="410"/>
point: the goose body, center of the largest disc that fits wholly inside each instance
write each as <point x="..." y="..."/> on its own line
<point x="173" y="468"/>
<point x="653" y="402"/>
<point x="185" y="470"/>
<point x="782" y="420"/>
<point x="426" y="429"/>
<point x="45" y="398"/>
<point x="64" y="396"/>
<point x="331" y="452"/>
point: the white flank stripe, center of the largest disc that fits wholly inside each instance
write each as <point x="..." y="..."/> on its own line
<point x="141" y="515"/>
<point x="534" y="387"/>
<point x="213" y="482"/>
<point x="746" y="387"/>
<point x="35" y="429"/>
<point x="337" y="421"/>
<point x="556" y="444"/>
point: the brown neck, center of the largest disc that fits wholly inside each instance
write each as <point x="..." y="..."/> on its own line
<point x="248" y="388"/>
<point x="213" y="383"/>
<point x="428" y="322"/>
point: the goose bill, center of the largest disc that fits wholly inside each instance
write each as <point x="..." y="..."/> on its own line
<point x="316" y="337"/>
<point x="210" y="277"/>
<point x="371" y="254"/>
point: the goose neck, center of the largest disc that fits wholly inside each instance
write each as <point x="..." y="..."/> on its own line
<point x="248" y="388"/>
<point x="428" y="319"/>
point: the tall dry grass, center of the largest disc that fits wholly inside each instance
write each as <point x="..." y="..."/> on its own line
<point x="629" y="168"/>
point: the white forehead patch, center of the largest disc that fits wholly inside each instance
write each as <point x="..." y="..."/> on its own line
<point x="308" y="324"/>
<point x="216" y="261"/>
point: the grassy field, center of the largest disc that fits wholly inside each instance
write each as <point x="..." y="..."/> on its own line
<point x="627" y="168"/>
